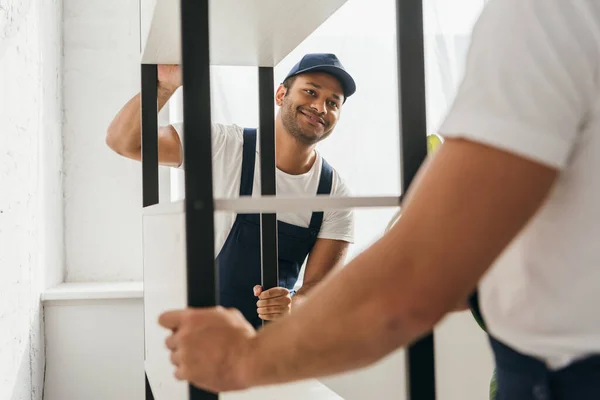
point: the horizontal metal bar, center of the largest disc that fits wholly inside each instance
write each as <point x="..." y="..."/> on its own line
<point x="315" y="203"/>
<point x="270" y="204"/>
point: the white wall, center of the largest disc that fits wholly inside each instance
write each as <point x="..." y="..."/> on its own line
<point x="31" y="196"/>
<point x="102" y="190"/>
<point x="463" y="359"/>
<point x="95" y="349"/>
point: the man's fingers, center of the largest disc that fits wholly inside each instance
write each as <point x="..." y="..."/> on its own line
<point x="180" y="374"/>
<point x="270" y="317"/>
<point x="171" y="319"/>
<point x="257" y="290"/>
<point x="198" y="317"/>
<point x="175" y="358"/>
<point x="274" y="292"/>
<point x="171" y="343"/>
<point x="275" y="302"/>
<point x="272" y="310"/>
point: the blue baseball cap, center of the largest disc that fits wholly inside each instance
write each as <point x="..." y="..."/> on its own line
<point x="328" y="63"/>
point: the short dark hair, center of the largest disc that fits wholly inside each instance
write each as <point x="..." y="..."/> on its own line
<point x="289" y="82"/>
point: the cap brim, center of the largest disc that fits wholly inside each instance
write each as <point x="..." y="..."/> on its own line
<point x="348" y="84"/>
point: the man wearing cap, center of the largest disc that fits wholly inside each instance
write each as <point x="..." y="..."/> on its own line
<point x="310" y="100"/>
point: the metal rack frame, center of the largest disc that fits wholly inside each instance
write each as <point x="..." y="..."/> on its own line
<point x="202" y="279"/>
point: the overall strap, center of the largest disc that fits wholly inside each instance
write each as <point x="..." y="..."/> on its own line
<point x="248" y="162"/>
<point x="476" y="310"/>
<point x="325" y="185"/>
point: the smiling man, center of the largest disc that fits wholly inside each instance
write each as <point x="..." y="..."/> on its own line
<point x="310" y="100"/>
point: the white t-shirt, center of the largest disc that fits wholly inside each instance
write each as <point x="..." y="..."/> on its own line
<point x="227" y="150"/>
<point x="532" y="88"/>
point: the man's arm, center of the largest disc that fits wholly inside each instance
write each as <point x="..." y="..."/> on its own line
<point x="464" y="207"/>
<point x="277" y="302"/>
<point x="400" y="287"/>
<point x="124" y="135"/>
<point x="327" y="255"/>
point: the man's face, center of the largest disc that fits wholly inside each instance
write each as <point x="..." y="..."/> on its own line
<point x="310" y="108"/>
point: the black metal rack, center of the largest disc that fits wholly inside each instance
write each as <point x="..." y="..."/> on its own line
<point x="202" y="277"/>
<point x="420" y="361"/>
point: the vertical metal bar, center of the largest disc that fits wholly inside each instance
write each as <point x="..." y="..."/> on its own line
<point x="149" y="126"/>
<point x="420" y="361"/>
<point x="149" y="122"/>
<point x="199" y="207"/>
<point x="149" y="395"/>
<point x="269" y="245"/>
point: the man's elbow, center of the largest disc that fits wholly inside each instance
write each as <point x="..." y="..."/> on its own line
<point x="113" y="137"/>
<point x="410" y="319"/>
<point x="114" y="141"/>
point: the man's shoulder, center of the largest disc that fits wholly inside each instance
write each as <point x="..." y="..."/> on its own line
<point x="228" y="129"/>
<point x="227" y="138"/>
<point x="338" y="186"/>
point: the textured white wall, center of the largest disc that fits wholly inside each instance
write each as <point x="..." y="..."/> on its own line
<point x="102" y="190"/>
<point x="30" y="177"/>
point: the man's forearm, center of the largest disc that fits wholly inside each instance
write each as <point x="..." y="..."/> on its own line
<point x="401" y="286"/>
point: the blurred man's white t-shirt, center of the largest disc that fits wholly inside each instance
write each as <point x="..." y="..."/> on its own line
<point x="532" y="88"/>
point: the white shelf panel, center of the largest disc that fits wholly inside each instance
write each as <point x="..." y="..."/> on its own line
<point x="94" y="291"/>
<point x="269" y="204"/>
<point x="309" y="389"/>
<point x="175" y="207"/>
<point x="242" y="32"/>
<point x="165" y="289"/>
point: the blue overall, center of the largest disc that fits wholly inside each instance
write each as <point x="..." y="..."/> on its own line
<point x="522" y="377"/>
<point x="239" y="260"/>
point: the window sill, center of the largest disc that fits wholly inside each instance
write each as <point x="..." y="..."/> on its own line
<point x="73" y="291"/>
